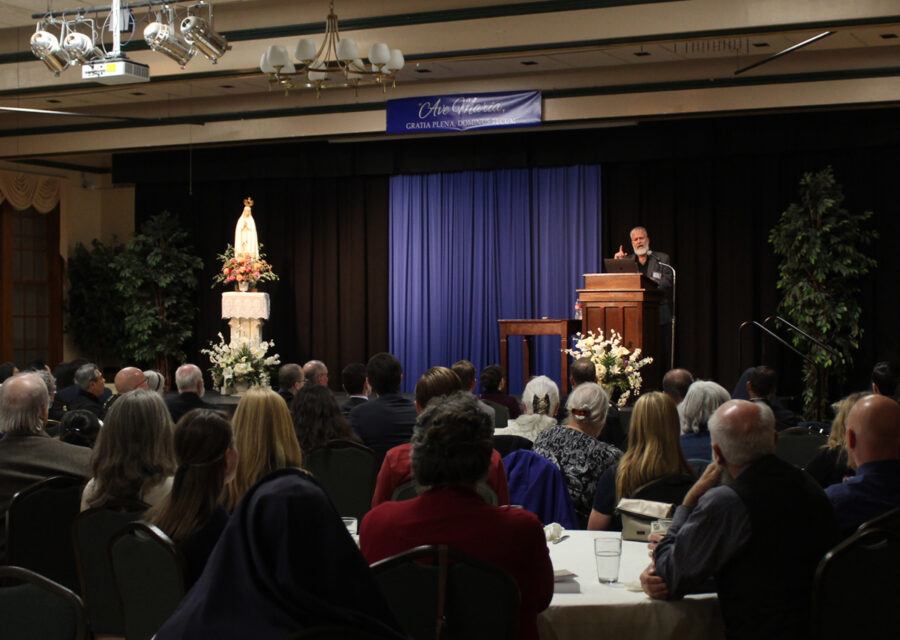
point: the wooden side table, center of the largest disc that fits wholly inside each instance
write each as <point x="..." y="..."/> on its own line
<point x="538" y="327"/>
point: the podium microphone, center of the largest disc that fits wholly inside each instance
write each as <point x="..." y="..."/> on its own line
<point x="674" y="291"/>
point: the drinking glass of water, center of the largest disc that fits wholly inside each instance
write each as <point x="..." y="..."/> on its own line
<point x="608" y="551"/>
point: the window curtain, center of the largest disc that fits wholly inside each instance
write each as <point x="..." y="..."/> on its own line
<point x="25" y="190"/>
<point x="467" y="249"/>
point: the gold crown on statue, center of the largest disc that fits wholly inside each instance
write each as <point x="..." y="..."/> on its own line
<point x="248" y="202"/>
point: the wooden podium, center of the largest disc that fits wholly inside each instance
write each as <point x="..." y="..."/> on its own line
<point x="629" y="304"/>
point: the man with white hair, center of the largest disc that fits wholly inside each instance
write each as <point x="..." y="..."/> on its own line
<point x="736" y="525"/>
<point x="91" y="386"/>
<point x="27" y="453"/>
<point x="189" y="380"/>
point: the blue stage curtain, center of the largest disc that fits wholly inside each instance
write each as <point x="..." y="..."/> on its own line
<point x="469" y="248"/>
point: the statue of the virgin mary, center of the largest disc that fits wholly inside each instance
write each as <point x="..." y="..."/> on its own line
<point x="245" y="240"/>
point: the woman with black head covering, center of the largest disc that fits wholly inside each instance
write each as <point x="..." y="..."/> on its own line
<point x="284" y="563"/>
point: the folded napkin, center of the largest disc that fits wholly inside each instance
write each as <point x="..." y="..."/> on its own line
<point x="554" y="532"/>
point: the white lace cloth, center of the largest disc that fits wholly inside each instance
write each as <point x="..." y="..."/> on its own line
<point x="237" y="304"/>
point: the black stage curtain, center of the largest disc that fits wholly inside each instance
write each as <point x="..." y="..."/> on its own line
<point x="708" y="190"/>
<point x="326" y="238"/>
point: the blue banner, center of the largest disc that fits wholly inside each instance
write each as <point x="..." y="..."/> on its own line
<point x="464" y="112"/>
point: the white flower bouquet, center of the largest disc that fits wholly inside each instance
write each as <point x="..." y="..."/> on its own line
<point x="618" y="369"/>
<point x="240" y="362"/>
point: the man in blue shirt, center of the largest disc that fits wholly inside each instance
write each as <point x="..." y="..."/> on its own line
<point x="873" y="443"/>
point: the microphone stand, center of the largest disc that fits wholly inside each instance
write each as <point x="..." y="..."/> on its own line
<point x="674" y="291"/>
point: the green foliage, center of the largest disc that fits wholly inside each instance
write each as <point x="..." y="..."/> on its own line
<point x="156" y="276"/>
<point x="822" y="249"/>
<point x="94" y="310"/>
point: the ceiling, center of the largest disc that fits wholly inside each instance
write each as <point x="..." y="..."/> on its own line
<point x="616" y="60"/>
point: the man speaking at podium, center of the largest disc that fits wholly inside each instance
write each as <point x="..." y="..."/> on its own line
<point x="653" y="264"/>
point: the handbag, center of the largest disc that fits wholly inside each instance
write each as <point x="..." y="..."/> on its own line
<point x="638" y="514"/>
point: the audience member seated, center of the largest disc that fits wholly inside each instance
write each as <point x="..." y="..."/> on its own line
<point x="736" y="525"/>
<point x="886" y="378"/>
<point x="56" y="410"/>
<point x="653" y="452"/>
<point x="189" y="381"/>
<point x="466" y="372"/>
<point x="761" y="387"/>
<point x="353" y="380"/>
<point x="265" y="439"/>
<point x="699" y="405"/>
<point x="318" y="419"/>
<point x="873" y="443"/>
<point x="132" y="460"/>
<point x="91" y="387"/>
<point x="451" y="453"/>
<point x="191" y="514"/>
<point x="540" y="403"/>
<point x="397" y="467"/>
<point x="155" y="381"/>
<point x="584" y="370"/>
<point x="66" y="388"/>
<point x="676" y="383"/>
<point x="27" y="453"/>
<point x="80" y="428"/>
<point x="127" y="379"/>
<point x="493" y="389"/>
<point x="284" y="563"/>
<point x="7" y="370"/>
<point x="315" y="372"/>
<point x="575" y="449"/>
<point x="832" y="464"/>
<point x="388" y="420"/>
<point x="290" y="379"/>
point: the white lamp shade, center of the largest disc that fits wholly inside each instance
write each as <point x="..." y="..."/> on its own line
<point x="396" y="62"/>
<point x="277" y="56"/>
<point x="358" y="65"/>
<point x="305" y="51"/>
<point x="379" y="54"/>
<point x="347" y="49"/>
<point x="314" y="74"/>
<point x="264" y="65"/>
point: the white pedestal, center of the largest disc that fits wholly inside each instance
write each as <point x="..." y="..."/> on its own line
<point x="245" y="313"/>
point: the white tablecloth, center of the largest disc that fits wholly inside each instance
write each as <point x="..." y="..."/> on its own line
<point x="613" y="611"/>
<point x="237" y="304"/>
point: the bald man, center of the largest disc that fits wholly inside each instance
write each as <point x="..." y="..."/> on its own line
<point x="735" y="525"/>
<point x="873" y="443"/>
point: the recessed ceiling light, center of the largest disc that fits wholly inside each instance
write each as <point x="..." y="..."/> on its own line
<point x="641" y="54"/>
<point x="138" y="93"/>
<point x="888" y="36"/>
<point x="226" y="86"/>
<point x="53" y="101"/>
<point x="423" y="70"/>
<point x="528" y="63"/>
<point x="760" y="44"/>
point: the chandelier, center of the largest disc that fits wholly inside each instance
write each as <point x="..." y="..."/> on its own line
<point x="336" y="63"/>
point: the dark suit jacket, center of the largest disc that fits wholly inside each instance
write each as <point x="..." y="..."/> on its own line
<point x="184" y="402"/>
<point x="384" y="423"/>
<point x="87" y="401"/>
<point x="663" y="277"/>
<point x="26" y="459"/>
<point x="351" y="402"/>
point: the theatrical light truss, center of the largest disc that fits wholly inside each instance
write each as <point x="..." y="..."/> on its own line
<point x="335" y="57"/>
<point x="179" y="37"/>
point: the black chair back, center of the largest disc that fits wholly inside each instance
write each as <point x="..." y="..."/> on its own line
<point x="149" y="575"/>
<point x="38" y="525"/>
<point x="507" y="444"/>
<point x="347" y="471"/>
<point x="501" y="413"/>
<point x="852" y="596"/>
<point x="889" y="521"/>
<point x="671" y="488"/>
<point x="35" y="608"/>
<point x="92" y="531"/>
<point x="438" y="593"/>
<point x="798" y="445"/>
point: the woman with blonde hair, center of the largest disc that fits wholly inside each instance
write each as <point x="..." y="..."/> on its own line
<point x="832" y="464"/>
<point x="653" y="452"/>
<point x="133" y="460"/>
<point x="264" y="435"/>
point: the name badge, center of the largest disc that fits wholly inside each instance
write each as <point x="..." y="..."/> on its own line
<point x="656" y="275"/>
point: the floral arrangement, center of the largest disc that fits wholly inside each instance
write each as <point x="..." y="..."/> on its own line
<point x="240" y="362"/>
<point x="244" y="271"/>
<point x="618" y="369"/>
